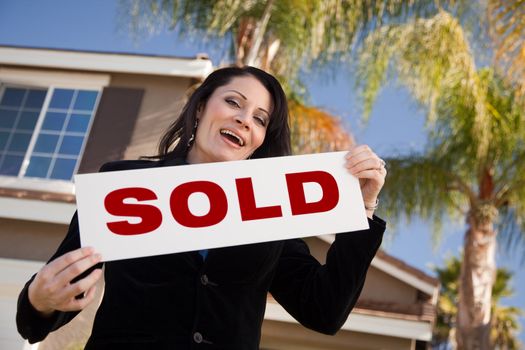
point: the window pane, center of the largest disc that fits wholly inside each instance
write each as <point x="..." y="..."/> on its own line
<point x="59" y="139"/>
<point x="35" y="99"/>
<point x="13" y="97"/>
<point x="71" y="145"/>
<point x="78" y="123"/>
<point x="63" y="169"/>
<point x="27" y="121"/>
<point x="61" y="98"/>
<point x="19" y="142"/>
<point x="11" y="165"/>
<point x="54" y="121"/>
<point x="7" y="118"/>
<point x="86" y="100"/>
<point x="46" y="143"/>
<point x="3" y="139"/>
<point x="38" y="166"/>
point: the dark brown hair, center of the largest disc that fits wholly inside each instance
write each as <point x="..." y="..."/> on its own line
<point x="277" y="139"/>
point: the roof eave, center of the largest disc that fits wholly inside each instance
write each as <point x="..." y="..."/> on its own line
<point x="366" y="323"/>
<point x="197" y="68"/>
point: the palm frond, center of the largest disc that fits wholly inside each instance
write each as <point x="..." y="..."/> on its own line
<point x="421" y="185"/>
<point x="431" y="57"/>
<point x="309" y="32"/>
<point x="507" y="28"/>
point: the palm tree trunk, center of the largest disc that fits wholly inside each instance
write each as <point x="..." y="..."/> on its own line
<point x="258" y="34"/>
<point x="478" y="272"/>
<point x="243" y="40"/>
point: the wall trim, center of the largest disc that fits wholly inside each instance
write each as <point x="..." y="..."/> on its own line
<point x="356" y="322"/>
<point x="36" y="210"/>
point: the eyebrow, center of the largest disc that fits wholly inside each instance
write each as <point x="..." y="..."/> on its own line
<point x="245" y="98"/>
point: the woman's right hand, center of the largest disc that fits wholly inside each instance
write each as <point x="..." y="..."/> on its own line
<point x="53" y="290"/>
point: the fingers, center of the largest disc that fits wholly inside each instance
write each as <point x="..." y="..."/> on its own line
<point x="362" y="158"/>
<point x="74" y="304"/>
<point x="81" y="286"/>
<point x="79" y="304"/>
<point x="68" y="259"/>
<point x="65" y="276"/>
<point x="364" y="164"/>
<point x="85" y="287"/>
<point x="373" y="174"/>
<point x="52" y="289"/>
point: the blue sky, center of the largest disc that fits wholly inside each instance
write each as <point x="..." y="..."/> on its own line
<point x="395" y="125"/>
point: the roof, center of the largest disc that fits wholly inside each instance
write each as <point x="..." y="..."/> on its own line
<point x="400" y="264"/>
<point x="197" y="67"/>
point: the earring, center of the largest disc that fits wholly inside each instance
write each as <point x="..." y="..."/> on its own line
<point x="192" y="137"/>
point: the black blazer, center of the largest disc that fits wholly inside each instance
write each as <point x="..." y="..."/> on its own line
<point x="180" y="301"/>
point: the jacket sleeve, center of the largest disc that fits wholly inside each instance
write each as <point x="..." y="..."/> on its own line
<point x="321" y="297"/>
<point x="31" y="325"/>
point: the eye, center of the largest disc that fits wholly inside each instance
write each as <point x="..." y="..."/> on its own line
<point x="232" y="102"/>
<point x="261" y="120"/>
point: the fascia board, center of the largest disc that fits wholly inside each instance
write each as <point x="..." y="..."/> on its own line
<point x="356" y="322"/>
<point x="106" y="62"/>
<point x="36" y="210"/>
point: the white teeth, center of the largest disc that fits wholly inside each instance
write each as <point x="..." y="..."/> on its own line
<point x="228" y="132"/>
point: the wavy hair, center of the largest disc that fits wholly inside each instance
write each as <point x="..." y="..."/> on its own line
<point x="174" y="143"/>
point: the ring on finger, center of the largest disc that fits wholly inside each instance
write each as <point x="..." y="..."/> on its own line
<point x="80" y="296"/>
<point x="382" y="164"/>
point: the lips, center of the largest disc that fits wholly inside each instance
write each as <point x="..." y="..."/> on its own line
<point x="233" y="137"/>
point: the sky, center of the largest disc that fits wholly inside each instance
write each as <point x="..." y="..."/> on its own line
<point x="395" y="126"/>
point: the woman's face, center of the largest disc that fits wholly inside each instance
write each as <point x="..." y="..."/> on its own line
<point x="233" y="123"/>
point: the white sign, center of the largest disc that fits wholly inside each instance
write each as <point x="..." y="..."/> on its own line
<point x="134" y="213"/>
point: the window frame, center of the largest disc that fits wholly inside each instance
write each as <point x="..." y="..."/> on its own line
<point x="51" y="80"/>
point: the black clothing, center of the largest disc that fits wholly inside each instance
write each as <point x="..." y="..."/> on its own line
<point x="180" y="301"/>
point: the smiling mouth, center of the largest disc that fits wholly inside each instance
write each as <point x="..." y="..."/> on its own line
<point x="230" y="135"/>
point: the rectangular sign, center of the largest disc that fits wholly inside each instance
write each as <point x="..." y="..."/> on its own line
<point x="135" y="213"/>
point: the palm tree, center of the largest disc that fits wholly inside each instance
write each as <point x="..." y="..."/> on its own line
<point x="474" y="164"/>
<point x="266" y="35"/>
<point x="281" y="36"/>
<point x="504" y="324"/>
<point x="506" y="20"/>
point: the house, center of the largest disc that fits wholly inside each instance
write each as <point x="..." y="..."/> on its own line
<point x="396" y="310"/>
<point x="64" y="112"/>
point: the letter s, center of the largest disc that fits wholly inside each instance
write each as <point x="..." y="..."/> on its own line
<point x="150" y="215"/>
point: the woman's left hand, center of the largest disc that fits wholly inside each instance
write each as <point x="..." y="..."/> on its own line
<point x="364" y="164"/>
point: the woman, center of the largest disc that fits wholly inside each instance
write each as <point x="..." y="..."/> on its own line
<point x="212" y="299"/>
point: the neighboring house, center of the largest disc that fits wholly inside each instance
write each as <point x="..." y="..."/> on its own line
<point x="396" y="311"/>
<point x="66" y="112"/>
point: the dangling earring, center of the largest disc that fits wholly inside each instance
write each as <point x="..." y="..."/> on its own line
<point x="192" y="137"/>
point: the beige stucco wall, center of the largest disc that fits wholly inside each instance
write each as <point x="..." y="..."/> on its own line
<point x="287" y="336"/>
<point x="29" y="240"/>
<point x="377" y="282"/>
<point x="161" y="104"/>
<point x="383" y="287"/>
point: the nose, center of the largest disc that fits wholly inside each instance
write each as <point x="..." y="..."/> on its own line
<point x="243" y="121"/>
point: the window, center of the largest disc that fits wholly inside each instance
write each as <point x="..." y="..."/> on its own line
<point x="43" y="131"/>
